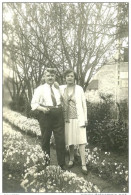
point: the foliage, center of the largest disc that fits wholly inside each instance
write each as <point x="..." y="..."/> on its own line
<point x="108" y="166"/>
<point x="109" y="135"/>
<point x="17" y="150"/>
<point x="103" y="109"/>
<point x="27" y="125"/>
<point x="29" y="162"/>
<point x="105" y="131"/>
<point x="123" y="110"/>
<point x="101" y="162"/>
<point x="53" y="179"/>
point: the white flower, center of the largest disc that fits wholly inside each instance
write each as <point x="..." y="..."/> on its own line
<point x="42" y="190"/>
<point x="24" y="182"/>
<point x="84" y="190"/>
<point x="126" y="178"/>
<point x="65" y="179"/>
<point x="77" y="191"/>
<point x="89" y="157"/>
<point x="33" y="190"/>
<point x="95" y="149"/>
<point x="48" y="186"/>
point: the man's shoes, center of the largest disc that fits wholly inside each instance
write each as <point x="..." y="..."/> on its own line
<point x="71" y="164"/>
<point x="84" y="169"/>
<point x="63" y="167"/>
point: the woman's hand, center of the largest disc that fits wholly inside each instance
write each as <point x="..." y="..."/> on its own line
<point x="86" y="124"/>
<point x="56" y="85"/>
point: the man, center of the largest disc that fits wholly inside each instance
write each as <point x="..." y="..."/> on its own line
<point x="47" y="100"/>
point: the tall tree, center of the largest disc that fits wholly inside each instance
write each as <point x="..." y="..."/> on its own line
<point x="60" y="35"/>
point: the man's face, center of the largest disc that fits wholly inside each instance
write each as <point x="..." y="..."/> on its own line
<point x="49" y="78"/>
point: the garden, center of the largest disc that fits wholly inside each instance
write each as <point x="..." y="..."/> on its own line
<point x="106" y="155"/>
<point x="85" y="37"/>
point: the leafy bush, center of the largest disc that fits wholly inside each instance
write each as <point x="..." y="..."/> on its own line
<point x="123" y="110"/>
<point x="103" y="129"/>
<point x="104" y="108"/>
<point x="108" y="134"/>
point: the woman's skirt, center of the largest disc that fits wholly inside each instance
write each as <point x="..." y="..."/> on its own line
<point x="74" y="134"/>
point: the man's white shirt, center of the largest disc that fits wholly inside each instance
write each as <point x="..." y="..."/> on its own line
<point x="42" y="95"/>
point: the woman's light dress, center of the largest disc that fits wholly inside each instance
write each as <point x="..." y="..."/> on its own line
<point x="74" y="134"/>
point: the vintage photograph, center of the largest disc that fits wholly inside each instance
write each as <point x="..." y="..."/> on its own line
<point x="65" y="97"/>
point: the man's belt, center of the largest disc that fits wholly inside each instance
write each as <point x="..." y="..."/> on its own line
<point x="58" y="106"/>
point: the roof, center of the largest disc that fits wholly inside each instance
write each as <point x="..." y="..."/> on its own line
<point x="93" y="85"/>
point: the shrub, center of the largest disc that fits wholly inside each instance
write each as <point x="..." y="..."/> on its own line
<point x="108" y="134"/>
<point x="103" y="129"/>
<point x="123" y="110"/>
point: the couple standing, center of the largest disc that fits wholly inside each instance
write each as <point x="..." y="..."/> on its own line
<point x="62" y="110"/>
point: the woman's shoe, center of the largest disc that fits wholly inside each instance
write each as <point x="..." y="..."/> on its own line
<point x="84" y="171"/>
<point x="71" y="164"/>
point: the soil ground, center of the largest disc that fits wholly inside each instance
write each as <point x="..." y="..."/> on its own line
<point x="13" y="185"/>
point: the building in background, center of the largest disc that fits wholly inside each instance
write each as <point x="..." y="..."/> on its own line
<point x="111" y="78"/>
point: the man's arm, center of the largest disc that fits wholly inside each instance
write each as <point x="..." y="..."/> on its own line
<point x="35" y="103"/>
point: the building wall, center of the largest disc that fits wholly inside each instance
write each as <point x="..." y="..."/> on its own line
<point x="112" y="79"/>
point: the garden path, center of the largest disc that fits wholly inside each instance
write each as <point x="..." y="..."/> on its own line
<point x="103" y="185"/>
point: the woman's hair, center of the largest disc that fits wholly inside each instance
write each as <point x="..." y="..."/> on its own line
<point x="68" y="72"/>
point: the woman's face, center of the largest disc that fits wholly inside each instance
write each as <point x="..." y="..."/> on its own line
<point x="70" y="78"/>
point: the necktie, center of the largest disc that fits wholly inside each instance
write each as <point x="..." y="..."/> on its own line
<point x="53" y="97"/>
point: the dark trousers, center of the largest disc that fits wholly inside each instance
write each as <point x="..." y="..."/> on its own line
<point x="53" y="121"/>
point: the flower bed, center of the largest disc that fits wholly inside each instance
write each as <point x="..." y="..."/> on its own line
<point x="27" y="125"/>
<point x="18" y="155"/>
<point x="99" y="162"/>
<point x="28" y="161"/>
<point x="53" y="179"/>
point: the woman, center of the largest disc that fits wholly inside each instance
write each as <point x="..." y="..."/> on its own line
<point x="75" y="112"/>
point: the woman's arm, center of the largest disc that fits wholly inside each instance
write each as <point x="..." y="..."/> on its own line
<point x="84" y="105"/>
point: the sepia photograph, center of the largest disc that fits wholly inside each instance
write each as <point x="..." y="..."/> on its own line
<point x="65" y="97"/>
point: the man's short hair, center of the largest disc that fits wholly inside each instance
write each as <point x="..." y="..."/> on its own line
<point x="50" y="70"/>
